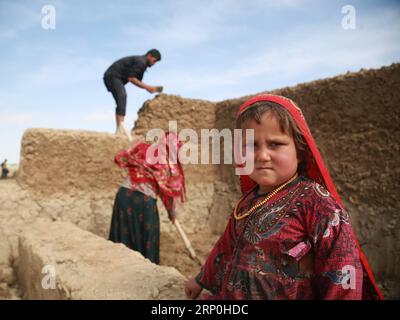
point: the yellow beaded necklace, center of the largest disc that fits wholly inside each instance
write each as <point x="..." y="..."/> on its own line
<point x="259" y="204"/>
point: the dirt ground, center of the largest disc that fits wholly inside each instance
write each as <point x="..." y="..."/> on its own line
<point x="174" y="253"/>
<point x="8" y="289"/>
<point x="9" y="292"/>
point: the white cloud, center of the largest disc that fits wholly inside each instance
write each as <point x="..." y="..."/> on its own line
<point x="276" y="3"/>
<point x="193" y="23"/>
<point x="20" y="18"/>
<point x="7" y="34"/>
<point x="65" y="70"/>
<point x="19" y="118"/>
<point x="100" y="116"/>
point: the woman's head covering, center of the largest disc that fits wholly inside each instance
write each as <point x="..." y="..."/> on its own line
<point x="157" y="165"/>
<point x="315" y="170"/>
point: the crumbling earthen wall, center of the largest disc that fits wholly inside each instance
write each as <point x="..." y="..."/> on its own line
<point x="66" y="169"/>
<point x="58" y="260"/>
<point x="69" y="161"/>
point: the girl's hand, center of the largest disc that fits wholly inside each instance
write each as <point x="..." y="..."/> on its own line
<point x="171" y="212"/>
<point x="192" y="289"/>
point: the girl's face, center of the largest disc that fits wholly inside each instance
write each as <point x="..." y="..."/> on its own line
<point x="275" y="156"/>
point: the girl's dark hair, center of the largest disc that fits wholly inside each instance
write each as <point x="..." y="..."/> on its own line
<point x="286" y="123"/>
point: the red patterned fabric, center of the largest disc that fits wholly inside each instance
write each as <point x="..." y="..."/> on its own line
<point x="165" y="177"/>
<point x="300" y="245"/>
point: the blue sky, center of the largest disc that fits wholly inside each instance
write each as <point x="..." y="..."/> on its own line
<point x="211" y="50"/>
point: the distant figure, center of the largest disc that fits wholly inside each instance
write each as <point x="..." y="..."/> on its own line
<point x="4" y="169"/>
<point x="135" y="220"/>
<point x="122" y="71"/>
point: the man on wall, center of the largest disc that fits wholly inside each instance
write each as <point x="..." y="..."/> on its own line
<point x="122" y="71"/>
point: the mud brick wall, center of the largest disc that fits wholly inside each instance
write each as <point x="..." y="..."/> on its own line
<point x="85" y="266"/>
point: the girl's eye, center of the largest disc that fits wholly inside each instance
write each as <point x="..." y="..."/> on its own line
<point x="276" y="144"/>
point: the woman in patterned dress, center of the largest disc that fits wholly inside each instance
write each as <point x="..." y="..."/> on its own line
<point x="154" y="171"/>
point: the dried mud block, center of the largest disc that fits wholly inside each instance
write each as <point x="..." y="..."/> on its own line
<point x="69" y="161"/>
<point x="58" y="260"/>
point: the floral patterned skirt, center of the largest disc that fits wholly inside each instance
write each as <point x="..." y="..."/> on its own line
<point x="135" y="222"/>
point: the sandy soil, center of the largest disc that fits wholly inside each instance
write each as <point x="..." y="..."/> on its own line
<point x="173" y="252"/>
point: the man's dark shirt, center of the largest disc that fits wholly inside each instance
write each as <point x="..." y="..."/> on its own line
<point x="133" y="66"/>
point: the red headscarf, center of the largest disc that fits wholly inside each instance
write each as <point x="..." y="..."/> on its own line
<point x="166" y="176"/>
<point x="316" y="170"/>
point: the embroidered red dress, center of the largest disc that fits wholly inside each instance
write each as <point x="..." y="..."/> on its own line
<point x="299" y="245"/>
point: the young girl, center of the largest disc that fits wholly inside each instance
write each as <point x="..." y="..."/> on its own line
<point x="289" y="237"/>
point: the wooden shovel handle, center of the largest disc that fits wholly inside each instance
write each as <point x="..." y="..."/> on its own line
<point x="185" y="239"/>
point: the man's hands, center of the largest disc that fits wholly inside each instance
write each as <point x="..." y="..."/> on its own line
<point x="140" y="84"/>
<point x="152" y="89"/>
<point x="192" y="289"/>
